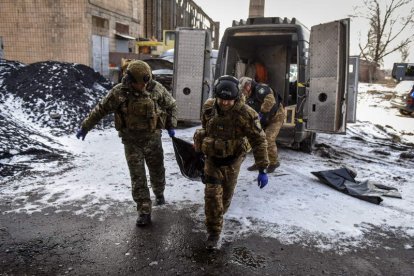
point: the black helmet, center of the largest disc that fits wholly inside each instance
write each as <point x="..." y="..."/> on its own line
<point x="227" y="88"/>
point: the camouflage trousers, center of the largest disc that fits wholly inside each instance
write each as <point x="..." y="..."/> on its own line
<point x="220" y="183"/>
<point x="272" y="131"/>
<point x="138" y="152"/>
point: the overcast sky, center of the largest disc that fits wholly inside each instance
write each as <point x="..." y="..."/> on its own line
<point x="309" y="12"/>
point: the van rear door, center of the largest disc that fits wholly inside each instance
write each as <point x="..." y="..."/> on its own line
<point x="328" y="75"/>
<point x="191" y="84"/>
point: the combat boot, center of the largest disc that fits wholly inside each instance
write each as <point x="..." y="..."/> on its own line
<point x="253" y="168"/>
<point x="160" y="200"/>
<point x="212" y="241"/>
<point x="273" y="167"/>
<point x="143" y="220"/>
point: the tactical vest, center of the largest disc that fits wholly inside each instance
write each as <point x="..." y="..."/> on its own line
<point x="256" y="100"/>
<point x="137" y="112"/>
<point x="224" y="138"/>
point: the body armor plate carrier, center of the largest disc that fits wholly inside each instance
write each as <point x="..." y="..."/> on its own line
<point x="137" y="113"/>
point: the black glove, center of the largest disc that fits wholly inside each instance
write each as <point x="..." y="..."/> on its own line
<point x="81" y="133"/>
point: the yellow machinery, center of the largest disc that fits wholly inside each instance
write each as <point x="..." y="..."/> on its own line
<point x="153" y="47"/>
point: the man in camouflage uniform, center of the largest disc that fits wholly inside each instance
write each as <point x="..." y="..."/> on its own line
<point x="262" y="99"/>
<point x="228" y="126"/>
<point x="142" y="107"/>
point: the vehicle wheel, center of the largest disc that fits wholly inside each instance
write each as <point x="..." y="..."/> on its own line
<point x="307" y="144"/>
<point x="405" y="112"/>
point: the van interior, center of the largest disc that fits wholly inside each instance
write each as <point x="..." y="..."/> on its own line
<point x="275" y="53"/>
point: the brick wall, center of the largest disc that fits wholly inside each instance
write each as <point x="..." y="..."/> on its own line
<point x="61" y="30"/>
<point x="45" y="30"/>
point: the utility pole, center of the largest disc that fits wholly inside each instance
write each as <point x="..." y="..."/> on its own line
<point x="256" y="8"/>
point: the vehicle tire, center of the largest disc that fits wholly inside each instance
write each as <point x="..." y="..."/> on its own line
<point x="308" y="144"/>
<point x="405" y="112"/>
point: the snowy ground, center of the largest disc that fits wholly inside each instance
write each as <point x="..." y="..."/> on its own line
<point x="294" y="207"/>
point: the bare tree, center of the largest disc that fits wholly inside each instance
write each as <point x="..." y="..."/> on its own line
<point x="405" y="52"/>
<point x="386" y="29"/>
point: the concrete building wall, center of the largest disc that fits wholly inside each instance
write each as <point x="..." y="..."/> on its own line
<point x="126" y="12"/>
<point x="163" y="15"/>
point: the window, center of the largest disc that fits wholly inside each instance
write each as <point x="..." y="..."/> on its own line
<point x="409" y="72"/>
<point x="100" y="22"/>
<point x="121" y="28"/>
<point x="293" y="72"/>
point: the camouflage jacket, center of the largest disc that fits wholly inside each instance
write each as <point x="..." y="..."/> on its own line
<point x="265" y="103"/>
<point x="117" y="100"/>
<point x="238" y="123"/>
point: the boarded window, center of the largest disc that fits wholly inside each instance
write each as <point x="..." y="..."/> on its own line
<point x="100" y="26"/>
<point x="100" y="22"/>
<point x="121" y="28"/>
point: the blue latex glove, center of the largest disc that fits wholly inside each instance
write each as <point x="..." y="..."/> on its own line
<point x="171" y="132"/>
<point x="262" y="179"/>
<point x="81" y="133"/>
<point x="262" y="119"/>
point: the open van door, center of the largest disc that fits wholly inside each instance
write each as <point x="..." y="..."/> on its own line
<point x="191" y="84"/>
<point x="328" y="75"/>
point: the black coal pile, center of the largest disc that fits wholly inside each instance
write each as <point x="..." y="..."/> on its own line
<point x="26" y="144"/>
<point x="56" y="95"/>
<point x="39" y="101"/>
<point x="7" y="67"/>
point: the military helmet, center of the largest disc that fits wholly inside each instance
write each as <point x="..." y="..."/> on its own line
<point x="262" y="90"/>
<point x="227" y="88"/>
<point x="139" y="71"/>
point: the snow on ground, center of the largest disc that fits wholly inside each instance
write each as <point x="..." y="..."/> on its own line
<point x="374" y="106"/>
<point x="294" y="207"/>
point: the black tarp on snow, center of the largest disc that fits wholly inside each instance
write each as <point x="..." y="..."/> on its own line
<point x="344" y="180"/>
<point x="190" y="162"/>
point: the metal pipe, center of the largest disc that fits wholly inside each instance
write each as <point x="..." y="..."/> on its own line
<point x="159" y="20"/>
